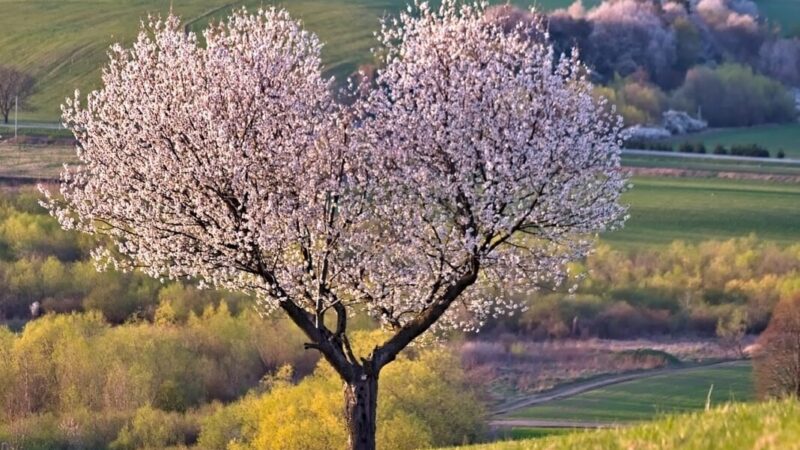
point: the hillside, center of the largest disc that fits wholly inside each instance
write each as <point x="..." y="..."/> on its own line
<point x="63" y="43"/>
<point x="734" y="426"/>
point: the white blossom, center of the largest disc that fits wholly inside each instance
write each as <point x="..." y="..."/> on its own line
<point x="480" y="161"/>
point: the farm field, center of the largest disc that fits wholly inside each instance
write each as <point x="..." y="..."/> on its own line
<point x="33" y="162"/>
<point x="646" y="398"/>
<point x="786" y="13"/>
<point x="772" y="137"/>
<point x="693" y="209"/>
<point x="63" y="46"/>
<point x="771" y="425"/>
<point x="770" y="166"/>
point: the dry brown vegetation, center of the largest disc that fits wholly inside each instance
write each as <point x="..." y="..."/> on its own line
<point x="777" y="361"/>
<point x="513" y="367"/>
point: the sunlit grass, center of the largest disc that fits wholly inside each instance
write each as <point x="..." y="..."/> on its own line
<point x="773" y="425"/>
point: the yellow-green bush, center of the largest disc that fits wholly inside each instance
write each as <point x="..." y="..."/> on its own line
<point x="677" y="289"/>
<point x="68" y="362"/>
<point x="155" y="429"/>
<point x="423" y="402"/>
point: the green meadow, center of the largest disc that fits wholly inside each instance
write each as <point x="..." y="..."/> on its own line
<point x="63" y="44"/>
<point x="785" y="13"/>
<point x="694" y="209"/>
<point x="646" y="398"/>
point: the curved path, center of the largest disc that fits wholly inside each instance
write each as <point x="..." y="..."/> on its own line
<point x="575" y="389"/>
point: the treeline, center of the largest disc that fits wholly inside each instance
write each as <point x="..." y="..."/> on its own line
<point x="73" y="381"/>
<point x="751" y="150"/>
<point x="681" y="289"/>
<point x="40" y="262"/>
<point x="729" y="95"/>
<point x="715" y="58"/>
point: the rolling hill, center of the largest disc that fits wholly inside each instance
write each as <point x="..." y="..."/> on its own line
<point x="63" y="43"/>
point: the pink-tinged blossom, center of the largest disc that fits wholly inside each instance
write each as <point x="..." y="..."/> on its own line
<point x="231" y="163"/>
<point x="478" y="163"/>
<point x="479" y="155"/>
<point x="491" y="153"/>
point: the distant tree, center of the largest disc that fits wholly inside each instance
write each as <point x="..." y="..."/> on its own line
<point x="777" y="359"/>
<point x="733" y="95"/>
<point x="780" y="59"/>
<point x="719" y="149"/>
<point x="731" y="331"/>
<point x="15" y="86"/>
<point x="781" y="154"/>
<point x="752" y="150"/>
<point x="478" y="161"/>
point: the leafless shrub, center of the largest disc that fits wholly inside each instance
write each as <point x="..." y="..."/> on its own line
<point x="777" y="359"/>
<point x="15" y="88"/>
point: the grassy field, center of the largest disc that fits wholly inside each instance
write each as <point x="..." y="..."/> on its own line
<point x="764" y="426"/>
<point x="785" y="13"/>
<point x="63" y="43"/>
<point x="773" y="137"/>
<point x="694" y="209"/>
<point x="646" y="398"/>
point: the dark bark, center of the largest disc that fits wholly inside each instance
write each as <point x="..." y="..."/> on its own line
<point x="361" y="405"/>
<point x="361" y="377"/>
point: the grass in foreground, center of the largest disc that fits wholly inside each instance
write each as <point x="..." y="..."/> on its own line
<point x="773" y="137"/>
<point x="693" y="209"/>
<point x="646" y="398"/>
<point x="772" y="425"/>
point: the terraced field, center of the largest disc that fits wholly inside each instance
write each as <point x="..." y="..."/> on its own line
<point x="662" y="209"/>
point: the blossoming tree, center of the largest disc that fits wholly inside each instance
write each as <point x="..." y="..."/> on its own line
<point x="479" y="160"/>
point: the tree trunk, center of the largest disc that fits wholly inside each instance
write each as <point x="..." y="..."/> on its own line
<point x="361" y="404"/>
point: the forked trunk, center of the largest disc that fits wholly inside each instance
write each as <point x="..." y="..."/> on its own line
<point x="361" y="404"/>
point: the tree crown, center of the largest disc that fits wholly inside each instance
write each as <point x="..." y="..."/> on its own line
<point x="479" y="161"/>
